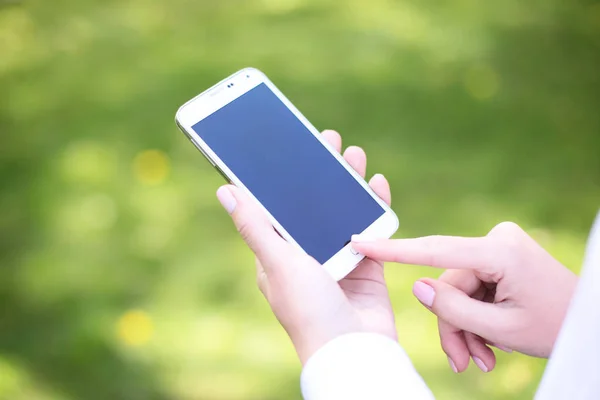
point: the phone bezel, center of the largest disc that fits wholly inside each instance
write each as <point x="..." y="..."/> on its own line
<point x="229" y="89"/>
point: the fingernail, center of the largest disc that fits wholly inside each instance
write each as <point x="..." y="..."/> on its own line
<point x="226" y="198"/>
<point x="452" y="365"/>
<point x="424" y="293"/>
<point x="503" y="348"/>
<point x="378" y="176"/>
<point x="362" y="239"/>
<point x="480" y="364"/>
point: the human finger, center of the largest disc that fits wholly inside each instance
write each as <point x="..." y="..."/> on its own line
<point x="381" y="187"/>
<point x="454" y="345"/>
<point x="452" y="338"/>
<point x="458" y="309"/>
<point x="356" y="157"/>
<point x="448" y="252"/>
<point x="254" y="226"/>
<point x="334" y="139"/>
<point x="481" y="354"/>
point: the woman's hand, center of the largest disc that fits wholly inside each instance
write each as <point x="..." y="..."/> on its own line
<point x="311" y="306"/>
<point x="502" y="289"/>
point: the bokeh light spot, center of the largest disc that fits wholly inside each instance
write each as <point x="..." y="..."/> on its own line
<point x="135" y="328"/>
<point x="99" y="212"/>
<point x="11" y="379"/>
<point x="214" y="335"/>
<point x="92" y="213"/>
<point x="481" y="81"/>
<point x="88" y="162"/>
<point x="151" y="167"/>
<point x="516" y="376"/>
<point x="17" y="29"/>
<point x="150" y="240"/>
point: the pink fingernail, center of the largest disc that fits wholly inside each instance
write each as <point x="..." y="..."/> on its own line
<point x="480" y="364"/>
<point x="452" y="365"/>
<point x="226" y="199"/>
<point x="503" y="348"/>
<point x="424" y="293"/>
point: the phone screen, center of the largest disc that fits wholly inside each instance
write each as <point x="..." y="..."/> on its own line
<point x="289" y="171"/>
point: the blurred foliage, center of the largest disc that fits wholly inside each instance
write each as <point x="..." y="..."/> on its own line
<point x="121" y="277"/>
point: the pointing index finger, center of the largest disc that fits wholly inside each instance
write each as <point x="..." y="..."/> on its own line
<point x="449" y="252"/>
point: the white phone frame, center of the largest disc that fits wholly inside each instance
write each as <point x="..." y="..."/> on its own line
<point x="229" y="89"/>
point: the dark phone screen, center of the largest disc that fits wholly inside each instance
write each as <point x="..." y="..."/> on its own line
<point x="289" y="171"/>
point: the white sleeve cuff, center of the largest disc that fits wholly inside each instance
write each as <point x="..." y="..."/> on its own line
<point x="362" y="366"/>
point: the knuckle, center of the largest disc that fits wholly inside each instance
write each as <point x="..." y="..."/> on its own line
<point x="446" y="342"/>
<point x="506" y="228"/>
<point x="514" y="252"/>
<point x="509" y="237"/>
<point x="432" y="246"/>
<point x="262" y="279"/>
<point x="245" y="230"/>
<point x="260" y="282"/>
<point x="444" y="345"/>
<point x="449" y="276"/>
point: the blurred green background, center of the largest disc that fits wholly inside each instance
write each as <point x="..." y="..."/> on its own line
<point x="120" y="275"/>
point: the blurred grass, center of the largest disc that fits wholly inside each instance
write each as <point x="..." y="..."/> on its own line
<point x="120" y="275"/>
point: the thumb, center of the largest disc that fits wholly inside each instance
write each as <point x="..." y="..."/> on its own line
<point x="458" y="309"/>
<point x="253" y="225"/>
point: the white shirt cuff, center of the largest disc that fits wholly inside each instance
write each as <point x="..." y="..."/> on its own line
<point x="362" y="366"/>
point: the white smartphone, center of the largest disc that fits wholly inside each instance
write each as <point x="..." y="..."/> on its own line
<point x="260" y="142"/>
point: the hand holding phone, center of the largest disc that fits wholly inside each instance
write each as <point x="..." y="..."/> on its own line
<point x="308" y="303"/>
<point x="253" y="135"/>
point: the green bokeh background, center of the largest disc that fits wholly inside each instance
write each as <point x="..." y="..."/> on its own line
<point x="120" y="275"/>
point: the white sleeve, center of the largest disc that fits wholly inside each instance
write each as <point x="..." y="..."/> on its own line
<point x="573" y="371"/>
<point x="362" y="366"/>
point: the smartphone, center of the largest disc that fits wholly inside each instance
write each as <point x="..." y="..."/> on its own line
<point x="255" y="137"/>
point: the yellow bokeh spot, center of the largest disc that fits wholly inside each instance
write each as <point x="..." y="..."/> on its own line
<point x="517" y="376"/>
<point x="481" y="81"/>
<point x="17" y="31"/>
<point x="135" y="328"/>
<point x="151" y="167"/>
